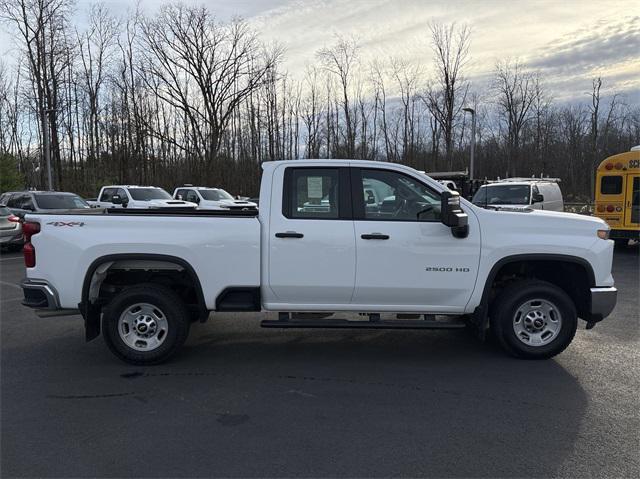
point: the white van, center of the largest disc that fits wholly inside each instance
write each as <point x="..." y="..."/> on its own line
<point x="534" y="193"/>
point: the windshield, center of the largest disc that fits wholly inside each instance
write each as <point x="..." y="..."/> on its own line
<point x="215" y="195"/>
<point x="148" y="194"/>
<point x="60" y="202"/>
<point x="502" y="195"/>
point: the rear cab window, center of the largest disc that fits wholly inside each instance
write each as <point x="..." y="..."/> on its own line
<point x="316" y="193"/>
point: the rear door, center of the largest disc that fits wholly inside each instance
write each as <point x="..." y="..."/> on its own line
<point x="311" y="239"/>
<point x="405" y="263"/>
<point x="632" y="205"/>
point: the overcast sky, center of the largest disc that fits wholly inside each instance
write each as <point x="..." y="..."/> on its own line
<point x="567" y="41"/>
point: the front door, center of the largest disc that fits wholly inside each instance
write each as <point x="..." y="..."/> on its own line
<point x="311" y="241"/>
<point x="407" y="260"/>
<point x="632" y="202"/>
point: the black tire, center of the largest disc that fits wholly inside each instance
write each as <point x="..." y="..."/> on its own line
<point x="504" y="309"/>
<point x="174" y="312"/>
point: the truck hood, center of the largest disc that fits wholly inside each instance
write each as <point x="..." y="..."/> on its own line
<point x="248" y="204"/>
<point x="554" y="222"/>
<point x="170" y="204"/>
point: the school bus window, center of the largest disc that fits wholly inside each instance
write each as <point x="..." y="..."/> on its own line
<point x="611" y="185"/>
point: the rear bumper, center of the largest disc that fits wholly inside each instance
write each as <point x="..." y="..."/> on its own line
<point x="603" y="300"/>
<point x="12" y="239"/>
<point x="39" y="294"/>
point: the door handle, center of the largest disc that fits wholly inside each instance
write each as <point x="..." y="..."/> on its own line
<point x="374" y="236"/>
<point x="289" y="234"/>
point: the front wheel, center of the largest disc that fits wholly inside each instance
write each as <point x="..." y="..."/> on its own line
<point x="533" y="319"/>
<point x="145" y="324"/>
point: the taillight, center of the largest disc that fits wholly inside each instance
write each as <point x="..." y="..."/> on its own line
<point x="601" y="208"/>
<point x="609" y="166"/>
<point x="28" y="230"/>
<point x="610" y="208"/>
<point x="14" y="219"/>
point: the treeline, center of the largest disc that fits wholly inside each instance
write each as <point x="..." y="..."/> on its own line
<point x="179" y="97"/>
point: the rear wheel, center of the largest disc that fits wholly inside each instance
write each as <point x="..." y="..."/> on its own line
<point x="533" y="319"/>
<point x="145" y="324"/>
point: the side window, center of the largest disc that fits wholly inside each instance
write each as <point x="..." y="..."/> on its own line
<point x="12" y="200"/>
<point x="107" y="193"/>
<point x="611" y="185"/>
<point x="393" y="196"/>
<point x="181" y="195"/>
<point x="192" y="196"/>
<point x="311" y="193"/>
<point x="26" y="203"/>
<point x="123" y="195"/>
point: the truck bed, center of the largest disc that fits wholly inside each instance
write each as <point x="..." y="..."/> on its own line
<point x="154" y="212"/>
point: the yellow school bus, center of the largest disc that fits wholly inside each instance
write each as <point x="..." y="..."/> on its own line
<point x="618" y="194"/>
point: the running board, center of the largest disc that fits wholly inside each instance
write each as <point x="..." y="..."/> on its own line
<point x="349" y="324"/>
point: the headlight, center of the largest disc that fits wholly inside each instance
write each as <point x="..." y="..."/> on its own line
<point x="603" y="234"/>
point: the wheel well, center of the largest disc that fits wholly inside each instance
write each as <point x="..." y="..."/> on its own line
<point x="572" y="277"/>
<point x="110" y="275"/>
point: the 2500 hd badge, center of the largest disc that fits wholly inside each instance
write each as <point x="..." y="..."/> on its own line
<point x="446" y="269"/>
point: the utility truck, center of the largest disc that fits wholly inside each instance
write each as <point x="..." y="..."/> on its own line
<point x="330" y="237"/>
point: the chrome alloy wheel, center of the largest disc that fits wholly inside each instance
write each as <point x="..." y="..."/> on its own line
<point x="537" y="322"/>
<point x="143" y="327"/>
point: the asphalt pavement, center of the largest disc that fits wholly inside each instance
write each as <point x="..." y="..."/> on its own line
<point x="244" y="401"/>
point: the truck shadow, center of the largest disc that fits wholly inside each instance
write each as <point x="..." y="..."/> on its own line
<point x="401" y="403"/>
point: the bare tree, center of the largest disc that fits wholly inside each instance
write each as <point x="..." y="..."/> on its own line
<point x="340" y="60"/>
<point x="203" y="68"/>
<point x="515" y="92"/>
<point x="446" y="94"/>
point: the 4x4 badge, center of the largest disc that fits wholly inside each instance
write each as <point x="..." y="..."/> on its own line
<point x="66" y="223"/>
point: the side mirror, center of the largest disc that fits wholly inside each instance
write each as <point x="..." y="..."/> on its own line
<point x="537" y="198"/>
<point x="116" y="200"/>
<point x="452" y="214"/>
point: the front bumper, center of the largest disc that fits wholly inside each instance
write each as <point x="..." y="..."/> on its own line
<point x="603" y="300"/>
<point x="39" y="294"/>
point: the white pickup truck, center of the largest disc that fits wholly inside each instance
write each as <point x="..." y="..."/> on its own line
<point x="331" y="236"/>
<point x="131" y="196"/>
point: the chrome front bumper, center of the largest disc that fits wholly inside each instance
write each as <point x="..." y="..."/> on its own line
<point x="603" y="300"/>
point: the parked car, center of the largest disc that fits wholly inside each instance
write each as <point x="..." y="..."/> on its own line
<point x="524" y="275"/>
<point x="10" y="229"/>
<point x="145" y="197"/>
<point x="211" y="198"/>
<point x="22" y="202"/>
<point x="535" y="193"/>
